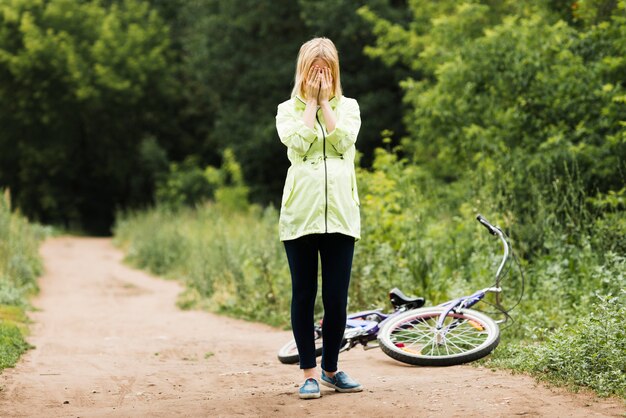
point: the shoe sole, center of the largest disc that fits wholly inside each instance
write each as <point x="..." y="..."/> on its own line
<point x="310" y="395"/>
<point x="338" y="389"/>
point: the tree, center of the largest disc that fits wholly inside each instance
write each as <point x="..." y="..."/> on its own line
<point x="237" y="63"/>
<point x="514" y="103"/>
<point x="375" y="87"/>
<point x="81" y="84"/>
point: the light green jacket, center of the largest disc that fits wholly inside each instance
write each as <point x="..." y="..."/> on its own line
<point x="320" y="193"/>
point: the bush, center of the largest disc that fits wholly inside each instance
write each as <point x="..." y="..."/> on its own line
<point x="512" y="113"/>
<point x="12" y="345"/>
<point x="590" y="352"/>
<point x="187" y="184"/>
<point x="231" y="260"/>
<point x="20" y="265"/>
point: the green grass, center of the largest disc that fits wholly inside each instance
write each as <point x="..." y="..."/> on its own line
<point x="419" y="235"/>
<point x="20" y="265"/>
<point x="588" y="353"/>
<point x="231" y="261"/>
<point x="13" y="328"/>
<point x="12" y="345"/>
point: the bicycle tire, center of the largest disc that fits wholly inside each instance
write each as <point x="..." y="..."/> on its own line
<point x="412" y="337"/>
<point x="288" y="353"/>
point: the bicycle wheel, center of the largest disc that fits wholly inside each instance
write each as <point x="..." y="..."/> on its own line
<point x="288" y="354"/>
<point x="412" y="337"/>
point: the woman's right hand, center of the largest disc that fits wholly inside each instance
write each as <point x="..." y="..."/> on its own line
<point x="312" y="84"/>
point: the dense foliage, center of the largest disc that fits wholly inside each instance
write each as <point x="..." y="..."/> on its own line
<point x="521" y="108"/>
<point x="20" y="266"/>
<point x="514" y="110"/>
<point x="99" y="98"/>
<point x="237" y="62"/>
<point x="81" y="86"/>
<point x="520" y="111"/>
<point x="589" y="352"/>
<point x="216" y="252"/>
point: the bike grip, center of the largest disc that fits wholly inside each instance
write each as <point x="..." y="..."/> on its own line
<point x="492" y="229"/>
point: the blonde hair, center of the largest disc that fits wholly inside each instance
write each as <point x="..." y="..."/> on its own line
<point x="322" y="48"/>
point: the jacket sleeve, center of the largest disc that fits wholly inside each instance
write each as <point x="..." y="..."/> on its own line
<point x="292" y="131"/>
<point x="347" y="127"/>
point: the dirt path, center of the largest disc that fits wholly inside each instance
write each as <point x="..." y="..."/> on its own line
<point x="111" y="342"/>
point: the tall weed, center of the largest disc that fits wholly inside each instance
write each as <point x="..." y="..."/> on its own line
<point x="20" y="265"/>
<point x="231" y="261"/>
<point x="418" y="234"/>
<point x="591" y="351"/>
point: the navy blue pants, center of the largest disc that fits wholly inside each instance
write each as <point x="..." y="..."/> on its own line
<point x="335" y="252"/>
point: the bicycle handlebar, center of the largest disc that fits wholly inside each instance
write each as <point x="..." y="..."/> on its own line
<point x="492" y="229"/>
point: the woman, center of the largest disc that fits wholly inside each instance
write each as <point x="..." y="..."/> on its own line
<point x="320" y="207"/>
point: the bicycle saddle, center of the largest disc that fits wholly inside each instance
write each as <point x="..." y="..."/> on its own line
<point x="398" y="299"/>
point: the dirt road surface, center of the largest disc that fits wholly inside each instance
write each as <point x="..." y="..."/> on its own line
<point x="110" y="341"/>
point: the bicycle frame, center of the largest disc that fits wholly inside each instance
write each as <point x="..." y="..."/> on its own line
<point x="469" y="301"/>
<point x="362" y="330"/>
<point x="359" y="329"/>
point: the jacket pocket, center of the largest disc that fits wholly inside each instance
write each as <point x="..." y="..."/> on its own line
<point x="288" y="191"/>
<point x="355" y="192"/>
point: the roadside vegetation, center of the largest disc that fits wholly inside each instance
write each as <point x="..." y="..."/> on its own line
<point x="20" y="265"/>
<point x="512" y="110"/>
<point x="568" y="328"/>
<point x="162" y="113"/>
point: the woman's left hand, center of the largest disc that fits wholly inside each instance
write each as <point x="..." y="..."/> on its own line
<point x="326" y="87"/>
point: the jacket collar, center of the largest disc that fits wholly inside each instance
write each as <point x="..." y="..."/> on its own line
<point x="301" y="104"/>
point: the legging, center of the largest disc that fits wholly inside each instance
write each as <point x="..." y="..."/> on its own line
<point x="336" y="251"/>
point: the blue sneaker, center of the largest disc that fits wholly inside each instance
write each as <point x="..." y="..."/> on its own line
<point x="341" y="382"/>
<point x="310" y="389"/>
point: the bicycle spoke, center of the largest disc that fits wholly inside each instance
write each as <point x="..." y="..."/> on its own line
<point x="445" y="344"/>
<point x="412" y="340"/>
<point x="467" y="343"/>
<point x="411" y="333"/>
<point x="415" y="331"/>
<point x="429" y="343"/>
<point x="468" y="335"/>
<point x="467" y="339"/>
<point x="462" y="340"/>
<point x="423" y="325"/>
<point x="459" y="335"/>
<point x="466" y="331"/>
<point x="462" y="335"/>
<point x="460" y="350"/>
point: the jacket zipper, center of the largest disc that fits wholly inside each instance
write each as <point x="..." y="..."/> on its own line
<point x="325" y="175"/>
